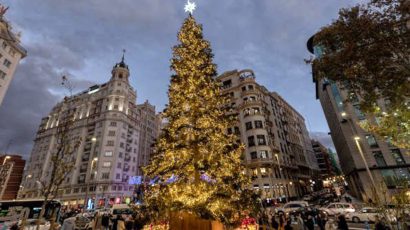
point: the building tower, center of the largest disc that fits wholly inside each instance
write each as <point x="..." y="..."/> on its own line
<point x="370" y="164"/>
<point x="11" y="52"/>
<point x="107" y="121"/>
<point x="278" y="149"/>
<point x="149" y="126"/>
<point x="11" y="173"/>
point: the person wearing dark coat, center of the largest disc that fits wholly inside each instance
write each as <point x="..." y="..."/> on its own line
<point x="342" y="224"/>
<point x="310" y="225"/>
<point x="288" y="225"/>
<point x="275" y="224"/>
<point x="105" y="222"/>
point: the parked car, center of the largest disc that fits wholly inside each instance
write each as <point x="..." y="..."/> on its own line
<point x="365" y="214"/>
<point x="79" y="222"/>
<point x="292" y="206"/>
<point x="338" y="208"/>
<point x="118" y="209"/>
<point x="307" y="198"/>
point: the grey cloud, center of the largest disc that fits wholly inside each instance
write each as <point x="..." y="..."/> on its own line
<point x="83" y="39"/>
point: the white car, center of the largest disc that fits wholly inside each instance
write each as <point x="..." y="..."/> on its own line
<point x="292" y="206"/>
<point x="80" y="222"/>
<point x="338" y="208"/>
<point x="365" y="214"/>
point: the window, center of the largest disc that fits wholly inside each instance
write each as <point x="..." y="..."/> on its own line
<point x="263" y="154"/>
<point x="227" y="84"/>
<point x="113" y="124"/>
<point x="258" y="124"/>
<point x="250" y="87"/>
<point x="360" y="115"/>
<point x="111" y="133"/>
<point x="236" y="129"/>
<point x="243" y="88"/>
<point x="371" y="141"/>
<point x="266" y="186"/>
<point x="107" y="164"/>
<point x="254" y="155"/>
<point x="248" y="125"/>
<point x="118" y="176"/>
<point x="6" y="63"/>
<point x="12" y="52"/>
<point x="397" y="156"/>
<point x="108" y="154"/>
<point x="2" y="75"/>
<point x="389" y="177"/>
<point x="264" y="172"/>
<point x="255" y="186"/>
<point x="119" y="165"/>
<point x="4" y="45"/>
<point x="378" y="156"/>
<point x="105" y="176"/>
<point x="113" y="188"/>
<point x="261" y="139"/>
<point x="229" y="131"/>
<point x="110" y="143"/>
<point x="251" y="141"/>
<point x="254" y="172"/>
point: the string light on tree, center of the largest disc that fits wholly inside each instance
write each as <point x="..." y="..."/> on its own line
<point x="190" y="7"/>
<point x="196" y="167"/>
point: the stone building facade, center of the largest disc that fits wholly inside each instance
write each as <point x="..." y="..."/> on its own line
<point x="110" y="126"/>
<point x="278" y="154"/>
<point x="11" y="52"/>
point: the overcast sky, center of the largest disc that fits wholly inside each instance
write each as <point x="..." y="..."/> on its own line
<point x="83" y="39"/>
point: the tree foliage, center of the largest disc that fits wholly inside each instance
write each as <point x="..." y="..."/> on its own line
<point x="197" y="166"/>
<point x="367" y="49"/>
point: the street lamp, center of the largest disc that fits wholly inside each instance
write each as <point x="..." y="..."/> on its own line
<point x="357" y="138"/>
<point x="6" y="158"/>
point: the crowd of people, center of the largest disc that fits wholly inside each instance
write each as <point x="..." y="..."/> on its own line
<point x="107" y="221"/>
<point x="304" y="221"/>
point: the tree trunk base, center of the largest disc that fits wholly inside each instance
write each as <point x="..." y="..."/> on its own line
<point x="187" y="221"/>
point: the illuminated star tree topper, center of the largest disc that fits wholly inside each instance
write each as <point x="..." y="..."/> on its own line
<point x="190" y="7"/>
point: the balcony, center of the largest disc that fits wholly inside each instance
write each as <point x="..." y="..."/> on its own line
<point x="260" y="161"/>
<point x="250" y="103"/>
<point x="249" y="92"/>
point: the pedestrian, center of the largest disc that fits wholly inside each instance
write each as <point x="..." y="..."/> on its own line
<point x="288" y="225"/>
<point x="129" y="223"/>
<point x="275" y="224"/>
<point x="310" y="225"/>
<point x="342" y="224"/>
<point x="282" y="221"/>
<point x="105" y="221"/>
<point x="320" y="221"/>
<point x="115" y="222"/>
<point x="330" y="225"/>
<point x="379" y="225"/>
<point x="301" y="222"/>
<point x="120" y="223"/>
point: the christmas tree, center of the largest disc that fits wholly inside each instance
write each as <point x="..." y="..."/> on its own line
<point x="196" y="167"/>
